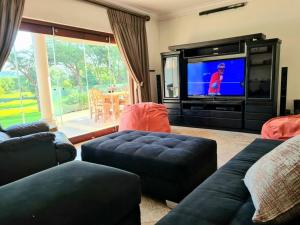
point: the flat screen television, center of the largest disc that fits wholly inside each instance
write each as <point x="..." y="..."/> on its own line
<point x="224" y="77"/>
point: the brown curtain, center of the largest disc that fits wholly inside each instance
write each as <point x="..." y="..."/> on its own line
<point x="131" y="38"/>
<point x="11" y="12"/>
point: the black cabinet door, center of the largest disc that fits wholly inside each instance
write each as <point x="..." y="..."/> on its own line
<point x="171" y="76"/>
<point x="260" y="71"/>
<point x="261" y="82"/>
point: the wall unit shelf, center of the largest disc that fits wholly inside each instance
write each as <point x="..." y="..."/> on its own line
<point x="247" y="113"/>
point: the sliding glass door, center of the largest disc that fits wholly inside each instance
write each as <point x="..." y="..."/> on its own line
<point x="67" y="73"/>
<point x="88" y="83"/>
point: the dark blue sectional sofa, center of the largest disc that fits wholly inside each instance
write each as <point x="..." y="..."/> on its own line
<point x="223" y="199"/>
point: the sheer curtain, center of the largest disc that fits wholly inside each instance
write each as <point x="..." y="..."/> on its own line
<point x="11" y="12"/>
<point x="131" y="38"/>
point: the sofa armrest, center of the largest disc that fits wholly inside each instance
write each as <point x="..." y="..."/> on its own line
<point x="65" y="150"/>
<point x="26" y="129"/>
<point x="23" y="156"/>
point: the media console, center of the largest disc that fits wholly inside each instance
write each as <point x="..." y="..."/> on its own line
<point x="248" y="112"/>
<point x="227" y="114"/>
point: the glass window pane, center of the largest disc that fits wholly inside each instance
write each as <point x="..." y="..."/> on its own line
<point x="90" y="88"/>
<point x="171" y="76"/>
<point x="10" y="105"/>
<point x="19" y="91"/>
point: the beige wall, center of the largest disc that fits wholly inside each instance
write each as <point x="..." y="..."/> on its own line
<point x="275" y="18"/>
<point x="81" y="14"/>
<point x="69" y="12"/>
<point x="154" y="54"/>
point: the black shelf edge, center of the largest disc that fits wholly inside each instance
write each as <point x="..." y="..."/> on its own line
<point x="213" y="102"/>
<point x="257" y="36"/>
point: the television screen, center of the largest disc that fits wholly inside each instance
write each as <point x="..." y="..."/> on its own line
<point x="216" y="78"/>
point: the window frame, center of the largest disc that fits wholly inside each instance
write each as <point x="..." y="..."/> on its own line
<point x="43" y="27"/>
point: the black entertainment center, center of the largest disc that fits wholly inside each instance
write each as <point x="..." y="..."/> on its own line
<point x="241" y="95"/>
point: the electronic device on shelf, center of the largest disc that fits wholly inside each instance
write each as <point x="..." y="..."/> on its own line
<point x="216" y="78"/>
<point x="225" y="108"/>
<point x="197" y="107"/>
<point x="297" y="106"/>
<point x="283" y="91"/>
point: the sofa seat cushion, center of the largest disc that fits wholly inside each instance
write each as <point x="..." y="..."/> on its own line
<point x="76" y="193"/>
<point x="163" y="155"/>
<point x="222" y="199"/>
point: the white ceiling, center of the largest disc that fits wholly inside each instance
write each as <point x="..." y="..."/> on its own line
<point x="161" y="6"/>
<point x="166" y="8"/>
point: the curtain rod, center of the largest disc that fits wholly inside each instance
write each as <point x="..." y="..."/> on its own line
<point x="113" y="6"/>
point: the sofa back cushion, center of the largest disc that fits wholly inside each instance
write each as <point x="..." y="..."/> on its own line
<point x="24" y="156"/>
<point x="19" y="130"/>
<point x="274" y="184"/>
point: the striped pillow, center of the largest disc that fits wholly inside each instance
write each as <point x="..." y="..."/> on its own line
<point x="274" y="184"/>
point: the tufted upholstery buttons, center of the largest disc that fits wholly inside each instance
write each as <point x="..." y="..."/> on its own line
<point x="163" y="156"/>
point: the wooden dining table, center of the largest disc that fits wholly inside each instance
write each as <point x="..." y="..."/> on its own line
<point x="112" y="103"/>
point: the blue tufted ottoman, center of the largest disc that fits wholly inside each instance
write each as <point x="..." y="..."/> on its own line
<point x="170" y="166"/>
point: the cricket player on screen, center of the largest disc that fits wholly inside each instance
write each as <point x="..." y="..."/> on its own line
<point x="215" y="80"/>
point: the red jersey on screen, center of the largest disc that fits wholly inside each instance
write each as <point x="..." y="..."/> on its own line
<point x="214" y="84"/>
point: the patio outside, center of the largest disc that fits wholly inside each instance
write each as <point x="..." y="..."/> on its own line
<point x="77" y="123"/>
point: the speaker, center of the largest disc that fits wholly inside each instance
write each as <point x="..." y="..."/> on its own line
<point x="283" y="91"/>
<point x="297" y="106"/>
<point x="158" y="89"/>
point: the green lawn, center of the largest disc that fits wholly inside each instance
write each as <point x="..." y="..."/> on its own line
<point x="8" y="120"/>
<point x="15" y="104"/>
<point x="11" y="113"/>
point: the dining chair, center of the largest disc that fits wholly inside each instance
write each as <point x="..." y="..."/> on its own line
<point x="96" y="104"/>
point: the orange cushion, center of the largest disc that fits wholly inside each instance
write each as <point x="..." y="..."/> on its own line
<point x="281" y="128"/>
<point x="146" y="117"/>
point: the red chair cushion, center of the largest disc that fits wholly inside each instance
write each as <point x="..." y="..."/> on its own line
<point x="281" y="128"/>
<point x="145" y="117"/>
